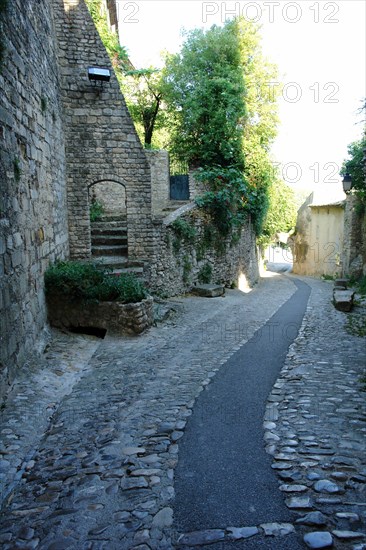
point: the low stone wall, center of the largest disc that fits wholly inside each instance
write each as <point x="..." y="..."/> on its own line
<point x="179" y="264"/>
<point x="115" y="317"/>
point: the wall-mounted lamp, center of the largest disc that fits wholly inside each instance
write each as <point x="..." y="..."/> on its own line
<point x="347" y="183"/>
<point x="99" y="74"/>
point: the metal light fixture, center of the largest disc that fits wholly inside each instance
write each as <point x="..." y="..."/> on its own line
<point x="99" y="74"/>
<point x="347" y="183"/>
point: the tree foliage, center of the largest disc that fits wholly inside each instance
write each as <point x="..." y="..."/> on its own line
<point x="282" y="212"/>
<point x="142" y="89"/>
<point x="116" y="52"/>
<point x="355" y="165"/>
<point x="204" y="90"/>
<point x="223" y="115"/>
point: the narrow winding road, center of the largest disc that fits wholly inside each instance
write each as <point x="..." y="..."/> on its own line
<point x="160" y="442"/>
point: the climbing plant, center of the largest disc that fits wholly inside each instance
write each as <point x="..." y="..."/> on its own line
<point x="116" y="52"/>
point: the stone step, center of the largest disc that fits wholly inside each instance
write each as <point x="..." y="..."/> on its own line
<point x="343" y="300"/>
<point x="107" y="250"/>
<point x="112" y="240"/>
<point x="106" y="224"/>
<point x="120" y="265"/>
<point x="112" y="218"/>
<point x="109" y="231"/>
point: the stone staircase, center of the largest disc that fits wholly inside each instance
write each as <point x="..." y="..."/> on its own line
<point x="109" y="236"/>
<point x="110" y="248"/>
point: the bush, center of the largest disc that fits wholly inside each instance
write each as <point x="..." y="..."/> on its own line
<point x="205" y="274"/>
<point x="89" y="282"/>
<point x="96" y="211"/>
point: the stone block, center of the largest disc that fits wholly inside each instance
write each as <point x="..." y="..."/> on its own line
<point x="208" y="291"/>
<point x="343" y="300"/>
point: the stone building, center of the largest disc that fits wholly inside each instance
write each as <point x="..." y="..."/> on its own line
<point x="318" y="240"/>
<point x="64" y="138"/>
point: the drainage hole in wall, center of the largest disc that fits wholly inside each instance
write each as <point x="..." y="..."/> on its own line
<point x="91" y="331"/>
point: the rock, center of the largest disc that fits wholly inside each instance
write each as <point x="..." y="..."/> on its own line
<point x="326" y="486"/>
<point x="198" y="538"/>
<point x="303" y="503"/>
<point x="237" y="533"/>
<point x="208" y="291"/>
<point x="133" y="450"/>
<point x="318" y="539"/>
<point x="164" y="518"/>
<point x="348" y="515"/>
<point x="343" y="300"/>
<point x="277" y="529"/>
<point x="26" y="533"/>
<point x="281" y="466"/>
<point x="134" y="483"/>
<point x="313" y="518"/>
<point x="348" y="535"/>
<point x="293" y="488"/>
<point x="342" y="283"/>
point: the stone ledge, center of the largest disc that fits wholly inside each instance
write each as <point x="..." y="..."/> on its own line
<point x="343" y="300"/>
<point x="208" y="291"/>
<point x="115" y="317"/>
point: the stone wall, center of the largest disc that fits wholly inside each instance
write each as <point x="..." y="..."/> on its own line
<point x="115" y="317"/>
<point x="111" y="195"/>
<point x="101" y="142"/>
<point x="160" y="180"/>
<point x="318" y="242"/>
<point x="179" y="263"/>
<point x="354" y="245"/>
<point x="33" y="215"/>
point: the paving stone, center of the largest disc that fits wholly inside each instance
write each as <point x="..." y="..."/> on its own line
<point x="318" y="539"/>
<point x="164" y="518"/>
<point x="277" y="529"/>
<point x="348" y="535"/>
<point x="237" y="533"/>
<point x="313" y="518"/>
<point x="198" y="538"/>
<point x="326" y="486"/>
<point x="301" y="503"/>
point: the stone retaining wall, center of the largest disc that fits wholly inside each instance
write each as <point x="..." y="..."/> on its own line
<point x="178" y="264"/>
<point x="33" y="213"/>
<point x="115" y="317"/>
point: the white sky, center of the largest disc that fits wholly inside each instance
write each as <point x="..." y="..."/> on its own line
<point x="319" y="47"/>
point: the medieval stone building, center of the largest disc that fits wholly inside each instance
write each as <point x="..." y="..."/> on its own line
<point x="61" y="137"/>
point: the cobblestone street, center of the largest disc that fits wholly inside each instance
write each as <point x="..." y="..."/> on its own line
<point x="90" y="437"/>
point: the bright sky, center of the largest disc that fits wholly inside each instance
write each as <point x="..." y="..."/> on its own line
<point x="320" y="49"/>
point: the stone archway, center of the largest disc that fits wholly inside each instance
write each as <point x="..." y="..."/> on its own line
<point x="111" y="195"/>
<point x="107" y="201"/>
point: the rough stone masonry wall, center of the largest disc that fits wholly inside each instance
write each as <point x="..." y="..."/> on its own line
<point x="33" y="216"/>
<point x="178" y="263"/>
<point x="101" y="142"/>
<point x="354" y="244"/>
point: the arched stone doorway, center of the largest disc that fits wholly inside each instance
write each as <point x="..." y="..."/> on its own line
<point x="108" y="219"/>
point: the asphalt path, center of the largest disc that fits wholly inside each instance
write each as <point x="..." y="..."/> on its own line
<point x="224" y="476"/>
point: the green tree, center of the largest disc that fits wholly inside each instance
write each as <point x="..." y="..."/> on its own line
<point x="142" y="89"/>
<point x="223" y="115"/>
<point x="282" y="212"/>
<point x="355" y="165"/>
<point x="204" y="91"/>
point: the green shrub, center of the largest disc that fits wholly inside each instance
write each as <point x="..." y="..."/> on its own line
<point x="96" y="211"/>
<point x="183" y="230"/>
<point x="205" y="274"/>
<point x="89" y="282"/>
